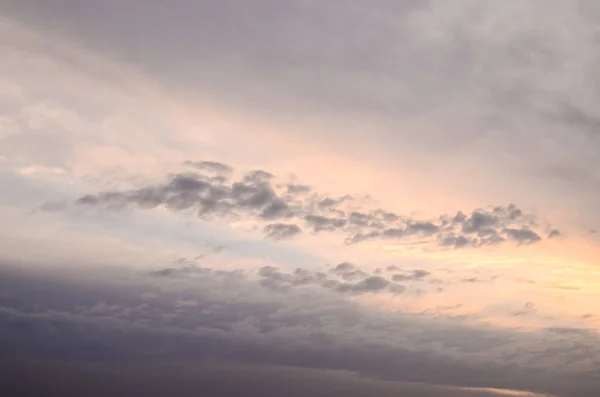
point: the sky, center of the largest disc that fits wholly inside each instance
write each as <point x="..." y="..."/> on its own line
<point x="339" y="198"/>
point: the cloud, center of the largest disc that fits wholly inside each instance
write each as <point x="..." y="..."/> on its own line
<point x="180" y="271"/>
<point x="522" y="236"/>
<point x="424" y="228"/>
<point x="281" y="231"/>
<point x="212" y="166"/>
<point x="348" y="271"/>
<point x="345" y="278"/>
<point x="471" y="280"/>
<point x="554" y="234"/>
<point x="477" y="221"/>
<point x="455" y="241"/>
<point x="418" y="274"/>
<point x="321" y="223"/>
<point x="256" y="195"/>
<point x="276" y="317"/>
<point x="185" y="377"/>
<point x="570" y="330"/>
<point x="528" y="309"/>
<point x="571" y="114"/>
<point x="370" y="284"/>
<point x="455" y="97"/>
<point x="298" y="189"/>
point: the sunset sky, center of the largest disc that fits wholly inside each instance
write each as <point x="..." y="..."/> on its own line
<point x="356" y="197"/>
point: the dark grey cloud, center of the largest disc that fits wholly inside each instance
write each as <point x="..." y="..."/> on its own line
<point x="573" y="115"/>
<point x="205" y="196"/>
<point x="184" y="378"/>
<point x="348" y="272"/>
<point x="418" y="274"/>
<point x="258" y="176"/>
<point x="276" y="209"/>
<point x="231" y="317"/>
<point x="327" y="202"/>
<point x="359" y="219"/>
<point x="370" y="284"/>
<point x="298" y="189"/>
<point x="343" y="268"/>
<point x="256" y="195"/>
<point x="180" y="271"/>
<point x="455" y="241"/>
<point x="320" y="223"/>
<point x="359" y="237"/>
<point x="570" y="330"/>
<point x="281" y="231"/>
<point x="482" y="227"/>
<point x="424" y="228"/>
<point x="254" y="192"/>
<point x="344" y="278"/>
<point x="523" y="235"/>
<point x="478" y="221"/>
<point x="554" y="234"/>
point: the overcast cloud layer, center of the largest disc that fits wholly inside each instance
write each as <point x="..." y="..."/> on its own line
<point x="250" y="317"/>
<point x="329" y="198"/>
